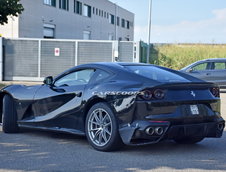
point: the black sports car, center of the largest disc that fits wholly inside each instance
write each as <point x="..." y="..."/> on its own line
<point x="116" y="103"/>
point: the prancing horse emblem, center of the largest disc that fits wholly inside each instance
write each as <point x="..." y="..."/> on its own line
<point x="193" y="93"/>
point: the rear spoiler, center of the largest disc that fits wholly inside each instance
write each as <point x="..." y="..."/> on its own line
<point x="187" y="85"/>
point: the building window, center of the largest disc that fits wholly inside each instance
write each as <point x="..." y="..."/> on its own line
<point x="118" y="21"/>
<point x="64" y="4"/>
<point x="93" y="10"/>
<point x="99" y="12"/>
<point x="48" y="31"/>
<point x="86" y="35"/>
<point x="87" y="10"/>
<point x="105" y="14"/>
<point x="78" y="7"/>
<point x="96" y="11"/>
<point x="127" y="24"/>
<point x="50" y="2"/>
<point x="112" y="19"/>
<point x="123" y="23"/>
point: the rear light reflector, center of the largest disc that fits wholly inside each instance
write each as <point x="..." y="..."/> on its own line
<point x="160" y="121"/>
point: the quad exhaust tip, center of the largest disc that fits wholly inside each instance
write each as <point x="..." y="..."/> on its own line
<point x="158" y="131"/>
<point x="150" y="131"/>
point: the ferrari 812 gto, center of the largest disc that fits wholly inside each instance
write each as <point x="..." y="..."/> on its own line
<point x="113" y="104"/>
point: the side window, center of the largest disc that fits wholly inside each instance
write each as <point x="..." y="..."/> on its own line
<point x="101" y="75"/>
<point x="219" y="66"/>
<point x="202" y="66"/>
<point x="75" y="78"/>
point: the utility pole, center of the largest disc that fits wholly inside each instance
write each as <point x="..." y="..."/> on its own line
<point x="149" y="31"/>
<point x="116" y="27"/>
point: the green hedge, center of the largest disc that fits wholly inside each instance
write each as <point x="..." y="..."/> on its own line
<point x="177" y="56"/>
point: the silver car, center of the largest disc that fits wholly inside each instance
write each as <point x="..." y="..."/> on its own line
<point x="211" y="70"/>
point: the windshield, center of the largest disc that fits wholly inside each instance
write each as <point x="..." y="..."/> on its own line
<point x="156" y="73"/>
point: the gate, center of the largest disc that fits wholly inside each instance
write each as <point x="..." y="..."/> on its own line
<point x="34" y="59"/>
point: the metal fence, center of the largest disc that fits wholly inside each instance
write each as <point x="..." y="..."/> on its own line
<point x="33" y="59"/>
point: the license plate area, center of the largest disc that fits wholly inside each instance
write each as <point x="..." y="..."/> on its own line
<point x="194" y="109"/>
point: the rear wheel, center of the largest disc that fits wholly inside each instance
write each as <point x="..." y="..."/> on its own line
<point x="188" y="140"/>
<point x="102" y="128"/>
<point x="9" y="115"/>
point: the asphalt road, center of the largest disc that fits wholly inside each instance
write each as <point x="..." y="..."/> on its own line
<point x="46" y="151"/>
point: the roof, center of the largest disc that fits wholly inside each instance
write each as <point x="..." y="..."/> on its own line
<point x="215" y="59"/>
<point x="112" y="64"/>
<point x="109" y="66"/>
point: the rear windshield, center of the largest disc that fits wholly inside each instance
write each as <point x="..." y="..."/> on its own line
<point x="157" y="73"/>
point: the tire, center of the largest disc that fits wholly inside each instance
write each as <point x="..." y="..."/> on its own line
<point x="188" y="140"/>
<point x="9" y="115"/>
<point x="102" y="128"/>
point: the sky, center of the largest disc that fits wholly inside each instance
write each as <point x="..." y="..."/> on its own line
<point x="179" y="21"/>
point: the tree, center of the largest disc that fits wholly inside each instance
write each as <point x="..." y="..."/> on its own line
<point x="9" y="7"/>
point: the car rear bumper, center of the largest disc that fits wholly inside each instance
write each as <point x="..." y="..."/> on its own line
<point x="213" y="129"/>
<point x="150" y="132"/>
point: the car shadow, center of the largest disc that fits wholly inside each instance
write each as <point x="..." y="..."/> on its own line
<point x="32" y="150"/>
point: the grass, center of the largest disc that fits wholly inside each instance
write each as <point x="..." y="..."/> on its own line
<point x="178" y="56"/>
<point x="2" y="85"/>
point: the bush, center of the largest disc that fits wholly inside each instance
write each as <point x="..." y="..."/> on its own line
<point x="177" y="56"/>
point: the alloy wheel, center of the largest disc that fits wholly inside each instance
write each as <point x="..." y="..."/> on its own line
<point x="100" y="127"/>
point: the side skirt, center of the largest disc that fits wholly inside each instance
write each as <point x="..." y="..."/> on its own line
<point x="55" y="129"/>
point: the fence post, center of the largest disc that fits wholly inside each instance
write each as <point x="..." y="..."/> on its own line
<point x="115" y="51"/>
<point x="39" y="58"/>
<point x="76" y="53"/>
<point x="136" y="50"/>
<point x="1" y="58"/>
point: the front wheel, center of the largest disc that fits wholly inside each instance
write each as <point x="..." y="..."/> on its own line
<point x="102" y="128"/>
<point x="9" y="115"/>
<point x="188" y="140"/>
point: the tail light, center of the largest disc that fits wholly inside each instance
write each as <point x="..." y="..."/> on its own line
<point x="159" y="94"/>
<point x="156" y="94"/>
<point x="146" y="95"/>
<point x="215" y="91"/>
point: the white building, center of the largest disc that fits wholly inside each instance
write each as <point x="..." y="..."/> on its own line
<point x="71" y="19"/>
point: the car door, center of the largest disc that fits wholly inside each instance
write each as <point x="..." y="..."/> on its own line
<point x="63" y="97"/>
<point x="201" y="71"/>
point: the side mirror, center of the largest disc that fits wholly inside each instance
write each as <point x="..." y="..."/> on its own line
<point x="48" y="80"/>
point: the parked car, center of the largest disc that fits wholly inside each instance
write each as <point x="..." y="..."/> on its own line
<point x="211" y="70"/>
<point x="117" y="103"/>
